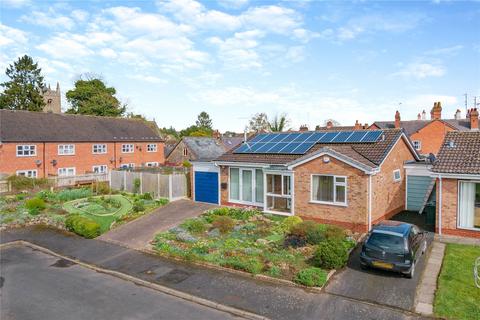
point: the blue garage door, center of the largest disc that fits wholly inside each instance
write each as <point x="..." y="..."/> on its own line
<point x="206" y="187"/>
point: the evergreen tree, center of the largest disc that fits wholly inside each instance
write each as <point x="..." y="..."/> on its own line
<point x="25" y="88"/>
<point x="204" y="122"/>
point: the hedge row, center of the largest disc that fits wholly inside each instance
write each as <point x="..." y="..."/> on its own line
<point x="82" y="226"/>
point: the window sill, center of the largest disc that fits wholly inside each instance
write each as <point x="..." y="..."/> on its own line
<point x="329" y="203"/>
<point x="469" y="229"/>
<point x="19" y="156"/>
<point x="246" y="203"/>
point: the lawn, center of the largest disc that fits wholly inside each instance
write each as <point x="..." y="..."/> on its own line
<point x="248" y="240"/>
<point x="457" y="297"/>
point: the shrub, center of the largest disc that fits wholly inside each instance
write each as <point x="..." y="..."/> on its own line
<point x="311" y="277"/>
<point x="20" y="197"/>
<point x="136" y="185"/>
<point x="73" y="194"/>
<point x="46" y="195"/>
<point x="316" y="234"/>
<point x="251" y="265"/>
<point x="234" y="213"/>
<point x="330" y="254"/>
<point x="113" y="202"/>
<point x="186" y="164"/>
<point x="294" y="241"/>
<point x="138" y="206"/>
<point x="22" y="182"/>
<point x="34" y="211"/>
<point x="224" y="224"/>
<point x="194" y="225"/>
<point x="289" y="222"/>
<point x="147" y="196"/>
<point x="301" y="229"/>
<point x="162" y="201"/>
<point x="334" y="233"/>
<point x="101" y="188"/>
<point x="82" y="226"/>
<point x="35" y="203"/>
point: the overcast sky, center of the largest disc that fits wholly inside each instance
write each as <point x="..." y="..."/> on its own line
<point x="314" y="60"/>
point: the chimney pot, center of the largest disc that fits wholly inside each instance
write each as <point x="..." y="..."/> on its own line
<point x="458" y="114"/>
<point x="358" y="126"/>
<point x="303" y="127"/>
<point x="397" y="119"/>
<point x="474" y="119"/>
<point x="329" y="124"/>
<point x="436" y="113"/>
<point x="419" y="116"/>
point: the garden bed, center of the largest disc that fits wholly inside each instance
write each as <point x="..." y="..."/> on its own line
<point x="247" y="240"/>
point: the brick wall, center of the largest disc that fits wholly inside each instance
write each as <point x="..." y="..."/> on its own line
<point x="177" y="157"/>
<point x="431" y="136"/>
<point x="353" y="216"/>
<point x="450" y="210"/>
<point x="83" y="160"/>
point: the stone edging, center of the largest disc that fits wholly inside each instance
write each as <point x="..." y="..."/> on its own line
<point x="154" y="286"/>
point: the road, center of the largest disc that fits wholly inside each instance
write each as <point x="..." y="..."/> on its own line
<point x="35" y="285"/>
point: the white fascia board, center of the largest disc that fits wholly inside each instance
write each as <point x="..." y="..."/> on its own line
<point x="455" y="176"/>
<point x="241" y="164"/>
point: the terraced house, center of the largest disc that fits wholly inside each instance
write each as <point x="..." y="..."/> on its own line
<point x="349" y="178"/>
<point x="37" y="144"/>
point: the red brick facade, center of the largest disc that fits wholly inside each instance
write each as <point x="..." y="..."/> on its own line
<point x="47" y="160"/>
<point x="431" y="136"/>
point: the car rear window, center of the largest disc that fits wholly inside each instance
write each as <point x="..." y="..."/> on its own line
<point x="386" y="242"/>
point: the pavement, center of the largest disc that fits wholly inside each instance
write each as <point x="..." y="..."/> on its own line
<point x="137" y="234"/>
<point x="275" y="301"/>
<point x="41" y="286"/>
<point x="376" y="286"/>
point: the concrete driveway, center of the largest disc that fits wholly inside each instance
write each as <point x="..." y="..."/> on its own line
<point x="138" y="233"/>
<point x="376" y="286"/>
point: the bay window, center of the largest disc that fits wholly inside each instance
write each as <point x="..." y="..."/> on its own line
<point x="469" y="205"/>
<point x="329" y="189"/>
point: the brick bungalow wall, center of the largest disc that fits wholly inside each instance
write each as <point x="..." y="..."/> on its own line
<point x="431" y="136"/>
<point x="449" y="210"/>
<point x="83" y="160"/>
<point x="353" y="216"/>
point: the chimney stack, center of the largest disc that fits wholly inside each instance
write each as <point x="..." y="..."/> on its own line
<point x="358" y="126"/>
<point x="474" y="119"/>
<point x="419" y="116"/>
<point x="303" y="127"/>
<point x="216" y="134"/>
<point x="397" y="119"/>
<point x="436" y="113"/>
<point x="424" y="115"/>
<point x="365" y="126"/>
<point x="458" y="114"/>
<point x="329" y="124"/>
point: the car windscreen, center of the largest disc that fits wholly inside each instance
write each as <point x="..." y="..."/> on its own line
<point x="386" y="242"/>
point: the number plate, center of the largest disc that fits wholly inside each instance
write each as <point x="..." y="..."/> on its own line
<point x="383" y="265"/>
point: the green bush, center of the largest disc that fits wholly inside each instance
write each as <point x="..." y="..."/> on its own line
<point x="138" y="206"/>
<point x="136" y="185"/>
<point x="316" y="234"/>
<point x="82" y="226"/>
<point x="234" y="213"/>
<point x="251" y="265"/>
<point x="147" y="196"/>
<point x="20" y="197"/>
<point x="194" y="225"/>
<point x="73" y="194"/>
<point x="23" y="183"/>
<point x="311" y="277"/>
<point x="330" y="254"/>
<point x="101" y="188"/>
<point x="301" y="229"/>
<point x="224" y="224"/>
<point x="289" y="222"/>
<point x="46" y="195"/>
<point x="162" y="201"/>
<point x="334" y="233"/>
<point x="35" y="203"/>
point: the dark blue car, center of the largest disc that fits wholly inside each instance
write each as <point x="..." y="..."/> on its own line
<point x="394" y="245"/>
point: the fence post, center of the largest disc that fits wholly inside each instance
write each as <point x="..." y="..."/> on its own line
<point x="124" y="180"/>
<point x="109" y="176"/>
<point x="170" y="189"/>
<point x="141" y="182"/>
<point x="158" y="185"/>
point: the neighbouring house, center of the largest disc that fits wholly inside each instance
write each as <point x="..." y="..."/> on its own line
<point x="195" y="149"/>
<point x="37" y="144"/>
<point x="349" y="178"/>
<point x="457" y="174"/>
<point x="331" y="127"/>
<point x="427" y="135"/>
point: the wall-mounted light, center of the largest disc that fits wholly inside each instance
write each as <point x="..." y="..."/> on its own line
<point x="326" y="159"/>
<point x="38" y="162"/>
<point x="53" y="162"/>
<point x="112" y="160"/>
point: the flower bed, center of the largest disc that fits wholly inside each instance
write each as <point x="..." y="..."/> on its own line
<point x="247" y="240"/>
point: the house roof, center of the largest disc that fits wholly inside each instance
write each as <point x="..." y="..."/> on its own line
<point x="25" y="126"/>
<point x="204" y="148"/>
<point x="334" y="128"/>
<point x="367" y="154"/>
<point x="412" y="126"/>
<point x="460" y="153"/>
<point x="231" y="142"/>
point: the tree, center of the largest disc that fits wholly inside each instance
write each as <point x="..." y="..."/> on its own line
<point x="91" y="96"/>
<point x="279" y="123"/>
<point x="334" y="122"/>
<point x="259" y="122"/>
<point x="25" y="88"/>
<point x="204" y="121"/>
<point x="195" y="131"/>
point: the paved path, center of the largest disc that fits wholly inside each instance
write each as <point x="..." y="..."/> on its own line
<point x="428" y="285"/>
<point x="271" y="300"/>
<point x="377" y="286"/>
<point x="37" y="285"/>
<point x="138" y="233"/>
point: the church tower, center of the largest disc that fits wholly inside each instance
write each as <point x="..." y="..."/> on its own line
<point x="53" y="100"/>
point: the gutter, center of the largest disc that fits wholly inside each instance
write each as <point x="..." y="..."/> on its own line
<point x="440" y="206"/>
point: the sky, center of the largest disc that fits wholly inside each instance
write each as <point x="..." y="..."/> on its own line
<point x="314" y="60"/>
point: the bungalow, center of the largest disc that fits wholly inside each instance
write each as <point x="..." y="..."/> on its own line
<point x="457" y="171"/>
<point x="349" y="178"/>
<point x="38" y="144"/>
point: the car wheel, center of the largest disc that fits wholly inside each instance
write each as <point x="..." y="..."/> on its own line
<point x="424" y="246"/>
<point x="411" y="273"/>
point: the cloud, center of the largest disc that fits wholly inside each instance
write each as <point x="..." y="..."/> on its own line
<point x="447" y="51"/>
<point x="273" y="19"/>
<point x="15" y="3"/>
<point x="233" y="4"/>
<point x="420" y="70"/>
<point x="48" y="19"/>
<point x="62" y="46"/>
<point x="79" y="15"/>
<point x="295" y="54"/>
<point x="148" y="78"/>
<point x="12" y="37"/>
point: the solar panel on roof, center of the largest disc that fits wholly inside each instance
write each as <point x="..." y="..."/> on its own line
<point x="304" y="147"/>
<point x="341" y="137"/>
<point x="356" y="136"/>
<point x="276" y="148"/>
<point x="328" y="137"/>
<point x="372" y="136"/>
<point x="258" y="137"/>
<point x="315" y="137"/>
<point x="278" y="137"/>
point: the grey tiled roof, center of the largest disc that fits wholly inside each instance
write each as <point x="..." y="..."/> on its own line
<point x="204" y="148"/>
<point x="24" y="126"/>
<point x="412" y="126"/>
<point x="460" y="153"/>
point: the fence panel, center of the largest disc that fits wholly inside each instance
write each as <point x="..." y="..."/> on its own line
<point x="79" y="179"/>
<point x="150" y="183"/>
<point x="130" y="181"/>
<point x="164" y="183"/>
<point x="117" y="180"/>
<point x="179" y="186"/>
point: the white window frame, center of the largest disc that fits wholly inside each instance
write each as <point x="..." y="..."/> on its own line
<point x="21" y="152"/>
<point x="33" y="173"/>
<point x="101" y="146"/>
<point x="66" y="169"/>
<point x="240" y="185"/>
<point x="102" y="168"/>
<point x="283" y="195"/>
<point x="62" y="148"/>
<point x="458" y="205"/>
<point x="417" y="144"/>
<point x="152" y="147"/>
<point x="395" y="179"/>
<point x="335" y="184"/>
<point x="151" y="164"/>
<point x="127" y="147"/>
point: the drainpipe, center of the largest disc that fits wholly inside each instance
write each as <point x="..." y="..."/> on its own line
<point x="369" y="202"/>
<point x="440" y="206"/>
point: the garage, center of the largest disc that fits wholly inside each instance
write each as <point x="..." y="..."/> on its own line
<point x="205" y="176"/>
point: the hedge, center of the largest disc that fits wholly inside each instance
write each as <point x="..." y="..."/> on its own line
<point x="82" y="226"/>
